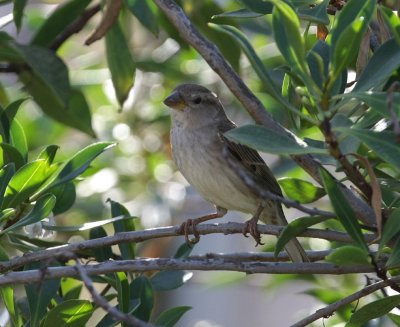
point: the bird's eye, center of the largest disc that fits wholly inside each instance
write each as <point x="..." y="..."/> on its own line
<point x="197" y="100"/>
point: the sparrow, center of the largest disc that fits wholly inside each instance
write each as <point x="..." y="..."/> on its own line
<point x="199" y="148"/>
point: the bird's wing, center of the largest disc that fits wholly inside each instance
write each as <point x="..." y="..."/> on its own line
<point x="250" y="159"/>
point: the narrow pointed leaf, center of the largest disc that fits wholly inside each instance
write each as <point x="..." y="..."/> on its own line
<point x="18" y="12"/>
<point x="71" y="313"/>
<point x="142" y="290"/>
<point x="391" y="229"/>
<point x="343" y="210"/>
<point x="240" y="13"/>
<point x="104" y="253"/>
<point x="267" y="140"/>
<point x="170" y="317"/>
<point x="9" y="154"/>
<point x="301" y="190"/>
<point x="348" y="255"/>
<point x="5" y="176"/>
<point x="42" y="209"/>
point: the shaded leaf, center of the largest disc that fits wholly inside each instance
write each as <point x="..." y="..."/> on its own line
<point x="71" y="313"/>
<point x="241" y="13"/>
<point x="170" y="317"/>
<point x="267" y="140"/>
<point x="42" y="209"/>
<point x="120" y="62"/>
<point x="394" y="259"/>
<point x="348" y="255"/>
<point x="390" y="229"/>
<point x="66" y="195"/>
<point x="123" y="225"/>
<point x="393" y="22"/>
<point x="295" y="228"/>
<point x="105" y="252"/>
<point x="382" y="143"/>
<point x="39" y="295"/>
<point x="18" y="139"/>
<point x="301" y="190"/>
<point x="142" y="290"/>
<point x="169" y="280"/>
<point x="18" y="12"/>
<point x="142" y="11"/>
<point x="49" y="153"/>
<point x="343" y="210"/>
<point x="122" y="287"/>
<point x="379" y="68"/>
<point x="373" y="310"/>
<point x="258" y="6"/>
<point x="10" y="155"/>
<point x="7" y="295"/>
<point x="316" y="14"/>
<point x="64" y="15"/>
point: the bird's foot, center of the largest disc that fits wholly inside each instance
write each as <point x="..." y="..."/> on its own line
<point x="250" y="227"/>
<point x="189" y="226"/>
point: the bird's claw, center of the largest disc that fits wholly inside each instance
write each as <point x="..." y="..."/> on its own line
<point x="186" y="228"/>
<point x="250" y="226"/>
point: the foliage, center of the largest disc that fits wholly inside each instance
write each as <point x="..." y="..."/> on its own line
<point x="56" y="91"/>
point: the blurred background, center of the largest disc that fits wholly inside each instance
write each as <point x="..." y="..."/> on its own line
<point x="139" y="172"/>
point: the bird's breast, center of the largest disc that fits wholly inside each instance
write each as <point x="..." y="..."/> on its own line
<point x="198" y="155"/>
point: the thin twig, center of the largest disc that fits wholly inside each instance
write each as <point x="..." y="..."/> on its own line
<point x="103" y="303"/>
<point x="251" y="103"/>
<point x="172" y="264"/>
<point x="140" y="236"/>
<point x="330" y="309"/>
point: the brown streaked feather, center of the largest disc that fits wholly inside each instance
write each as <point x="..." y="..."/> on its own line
<point x="250" y="159"/>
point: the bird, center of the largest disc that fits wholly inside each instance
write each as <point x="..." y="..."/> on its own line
<point x="200" y="150"/>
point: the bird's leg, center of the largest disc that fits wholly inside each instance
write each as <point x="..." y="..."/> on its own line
<point x="190" y="225"/>
<point x="250" y="226"/>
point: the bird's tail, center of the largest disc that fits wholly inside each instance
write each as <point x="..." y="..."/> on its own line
<point x="293" y="247"/>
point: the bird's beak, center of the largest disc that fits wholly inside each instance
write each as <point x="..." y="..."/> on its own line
<point x="175" y="101"/>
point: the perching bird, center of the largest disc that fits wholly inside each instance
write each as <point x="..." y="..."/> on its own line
<point x="198" y="147"/>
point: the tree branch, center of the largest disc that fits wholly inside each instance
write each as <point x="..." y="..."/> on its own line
<point x="172" y="264"/>
<point x="103" y="303"/>
<point x="330" y="309"/>
<point x="216" y="61"/>
<point x="140" y="236"/>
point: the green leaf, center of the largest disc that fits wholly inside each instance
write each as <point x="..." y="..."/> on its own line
<point x="122" y="287"/>
<point x="80" y="162"/>
<point x="316" y="14"/>
<point x="393" y="22"/>
<point x="347" y="33"/>
<point x="268" y="140"/>
<point x="394" y="318"/>
<point x="183" y="251"/>
<point x="25" y="182"/>
<point x="18" y="139"/>
<point x="49" y="153"/>
<point x="170" y="317"/>
<point x="7" y="295"/>
<point x="39" y="295"/>
<point x="241" y="13"/>
<point x="120" y="62"/>
<point x="379" y="68"/>
<point x="301" y="190"/>
<point x="169" y="280"/>
<point x="286" y="26"/>
<point x="64" y="15"/>
<point x="18" y="12"/>
<point x="295" y="228"/>
<point x="42" y="209"/>
<point x="343" y="210"/>
<point x="9" y="154"/>
<point x="143" y="12"/>
<point x="71" y="313"/>
<point x="124" y="225"/>
<point x="348" y="255"/>
<point x="373" y="310"/>
<point x="382" y="143"/>
<point x="377" y="101"/>
<point x="394" y="259"/>
<point x="66" y="195"/>
<point x="105" y="252"/>
<point x="142" y="290"/>
<point x="390" y="229"/>
<point x="7" y="116"/>
<point x="6" y="213"/>
<point x="50" y="70"/>
<point x="258" y="6"/>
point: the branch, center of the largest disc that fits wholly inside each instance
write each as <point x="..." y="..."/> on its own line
<point x="330" y="309"/>
<point x="172" y="264"/>
<point x="144" y="235"/>
<point x="251" y="103"/>
<point x="103" y="303"/>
